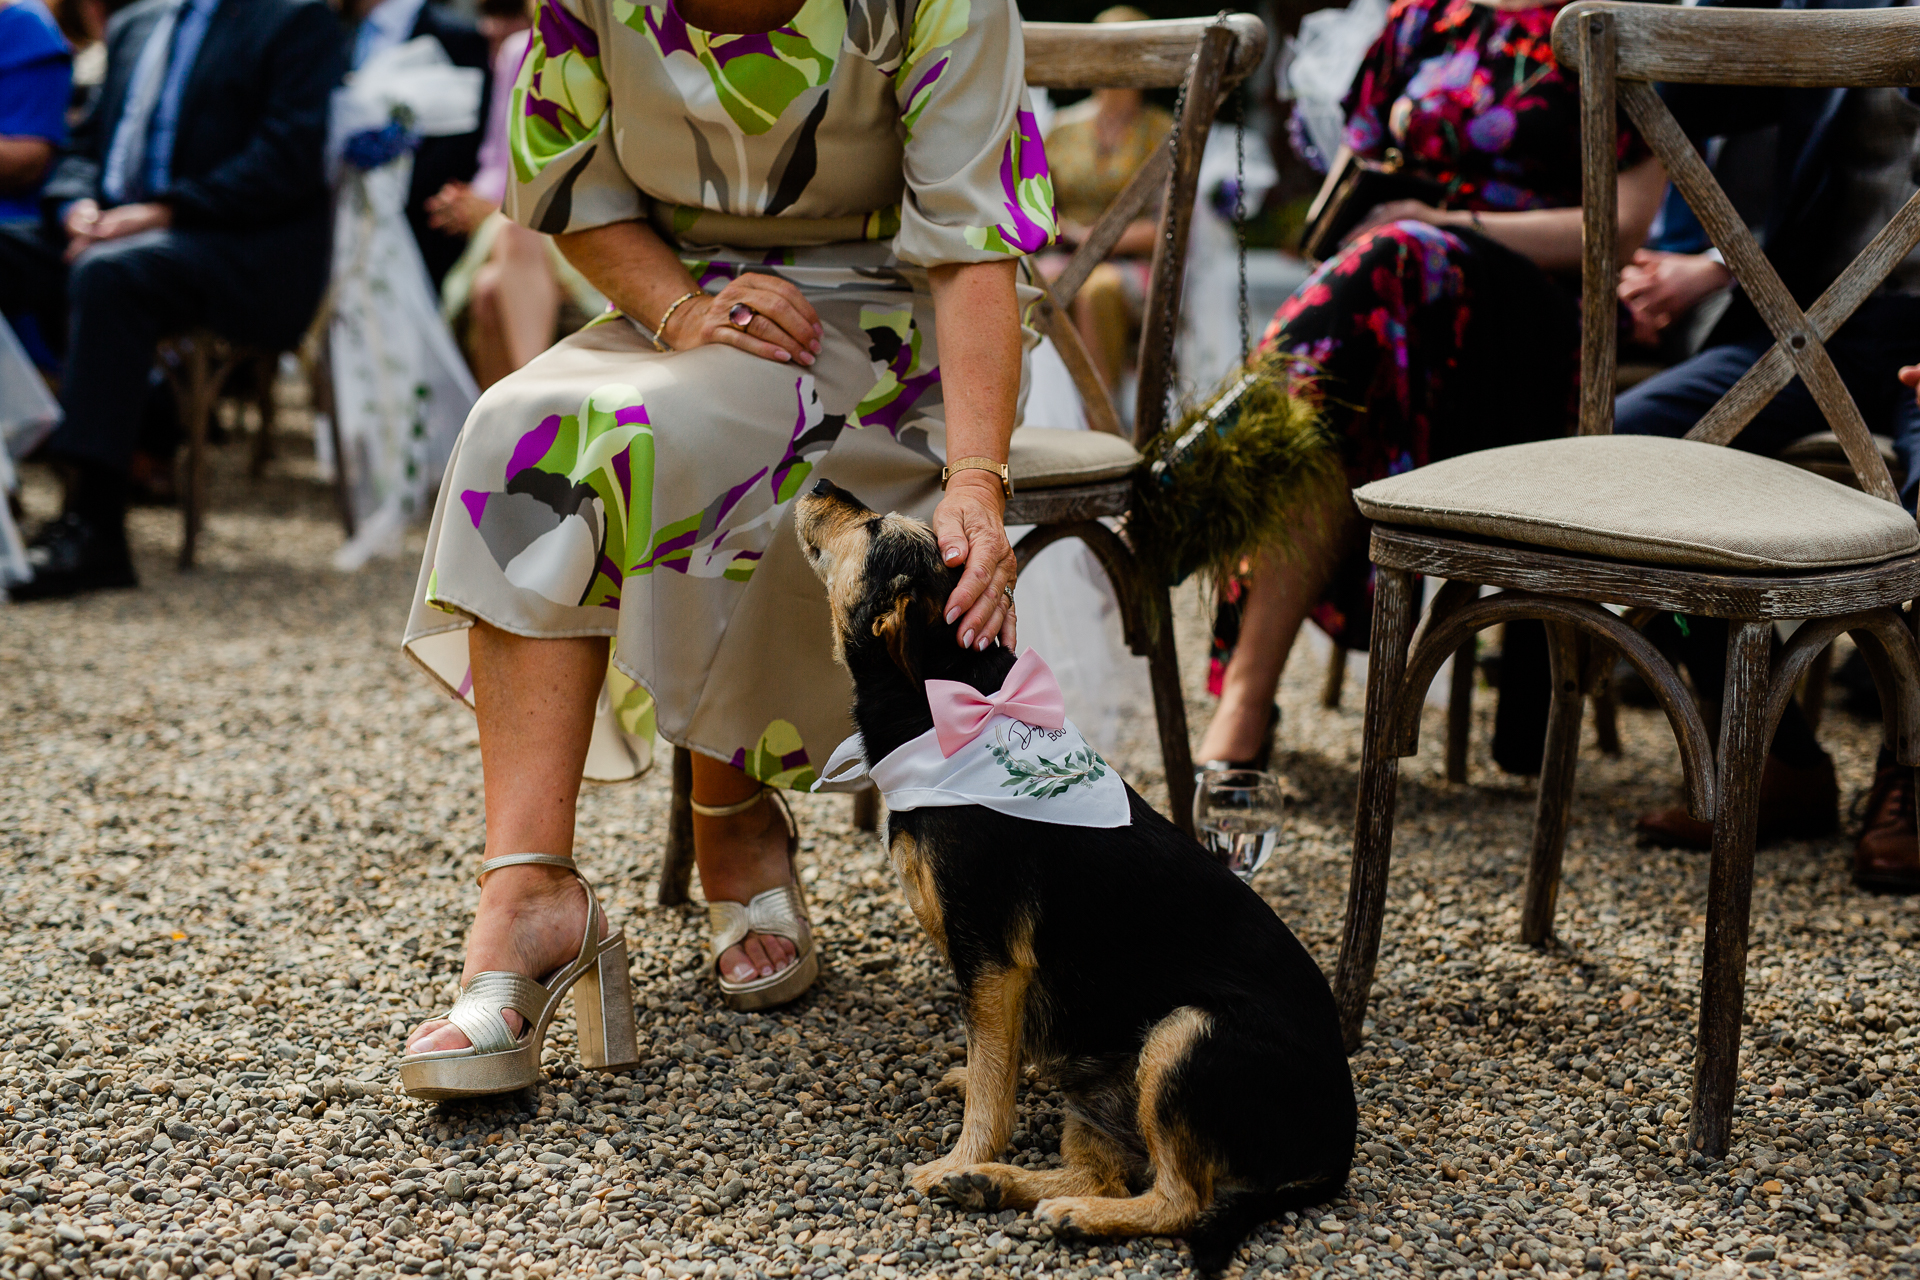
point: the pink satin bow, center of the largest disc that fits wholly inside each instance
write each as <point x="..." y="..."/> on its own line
<point x="1029" y="694"/>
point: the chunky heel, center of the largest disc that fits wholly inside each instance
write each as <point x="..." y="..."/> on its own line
<point x="603" y="1011"/>
<point x="498" y="1061"/>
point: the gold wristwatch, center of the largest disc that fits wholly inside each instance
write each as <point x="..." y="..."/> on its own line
<point x="978" y="464"/>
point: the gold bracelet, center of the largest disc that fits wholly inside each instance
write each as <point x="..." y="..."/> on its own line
<point x="660" y="334"/>
<point x="978" y="464"/>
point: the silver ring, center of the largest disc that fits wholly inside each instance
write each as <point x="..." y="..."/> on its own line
<point x="740" y="315"/>
<point x="1007" y="591"/>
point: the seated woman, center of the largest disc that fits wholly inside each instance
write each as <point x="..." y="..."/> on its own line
<point x="1433" y="332"/>
<point x="1094" y="148"/>
<point x="504" y="294"/>
<point x="808" y="215"/>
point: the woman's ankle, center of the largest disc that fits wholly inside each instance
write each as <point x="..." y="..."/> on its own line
<point x="1238" y="728"/>
<point x="741" y="854"/>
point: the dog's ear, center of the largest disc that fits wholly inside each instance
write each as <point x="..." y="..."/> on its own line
<point x="893" y="626"/>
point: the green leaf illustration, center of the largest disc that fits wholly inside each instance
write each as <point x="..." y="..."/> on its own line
<point x="1044" y="778"/>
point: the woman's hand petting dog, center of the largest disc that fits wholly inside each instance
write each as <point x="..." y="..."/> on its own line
<point x="969" y="529"/>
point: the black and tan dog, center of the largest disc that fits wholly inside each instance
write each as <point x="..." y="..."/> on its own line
<point x="1194" y="1036"/>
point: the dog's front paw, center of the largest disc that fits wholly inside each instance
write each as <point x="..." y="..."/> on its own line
<point x="1060" y="1213"/>
<point x="928" y="1177"/>
<point x="975" y="1191"/>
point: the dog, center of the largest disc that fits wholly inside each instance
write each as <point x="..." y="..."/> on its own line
<point x="1196" y="1040"/>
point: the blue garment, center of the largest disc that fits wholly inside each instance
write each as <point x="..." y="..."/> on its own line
<point x="1868" y="350"/>
<point x="190" y="31"/>
<point x="36" y="79"/>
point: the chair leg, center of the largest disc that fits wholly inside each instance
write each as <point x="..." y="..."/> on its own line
<point x="866" y="808"/>
<point x="1460" y="709"/>
<point x="1555" y="797"/>
<point x="1170" y="711"/>
<point x="1394" y="604"/>
<point x="1813" y="693"/>
<point x="196" y="406"/>
<point x="1336" y="677"/>
<point x="1606" y="722"/>
<point x="321" y="375"/>
<point x="265" y="369"/>
<point x="1723" y="969"/>
<point x="676" y="867"/>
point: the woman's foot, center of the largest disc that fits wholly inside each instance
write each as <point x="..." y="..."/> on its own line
<point x="529" y="921"/>
<point x="740" y="856"/>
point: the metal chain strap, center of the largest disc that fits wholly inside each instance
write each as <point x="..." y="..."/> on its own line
<point x="1240" y="212"/>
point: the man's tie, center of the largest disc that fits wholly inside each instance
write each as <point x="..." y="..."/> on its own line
<point x="124" y="178"/>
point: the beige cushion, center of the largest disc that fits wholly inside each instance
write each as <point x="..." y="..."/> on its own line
<point x="1051" y="458"/>
<point x="1822" y="454"/>
<point x="1648" y="498"/>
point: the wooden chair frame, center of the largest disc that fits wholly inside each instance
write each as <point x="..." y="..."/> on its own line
<point x="1209" y="57"/>
<point x="197" y="365"/>
<point x="1621" y="50"/>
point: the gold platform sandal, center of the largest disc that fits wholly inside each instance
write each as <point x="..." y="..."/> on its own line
<point x="497" y="1062"/>
<point x="781" y="912"/>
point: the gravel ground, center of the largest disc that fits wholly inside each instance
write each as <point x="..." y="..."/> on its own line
<point x="236" y="833"/>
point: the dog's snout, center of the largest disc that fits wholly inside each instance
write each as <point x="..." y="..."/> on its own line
<point x="825" y="488"/>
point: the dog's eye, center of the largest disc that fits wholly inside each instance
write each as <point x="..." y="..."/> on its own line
<point x="813" y="552"/>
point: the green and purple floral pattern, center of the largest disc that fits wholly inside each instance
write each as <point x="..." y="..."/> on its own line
<point x="611" y="490"/>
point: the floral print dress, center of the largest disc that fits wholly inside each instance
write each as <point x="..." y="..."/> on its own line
<point x="607" y="489"/>
<point x="1429" y="342"/>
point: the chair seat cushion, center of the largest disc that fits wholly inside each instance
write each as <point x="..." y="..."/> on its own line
<point x="1648" y="498"/>
<point x="1052" y="458"/>
<point x="1822" y="454"/>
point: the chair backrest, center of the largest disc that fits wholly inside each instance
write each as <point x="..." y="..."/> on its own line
<point x="1620" y="51"/>
<point x="1209" y="56"/>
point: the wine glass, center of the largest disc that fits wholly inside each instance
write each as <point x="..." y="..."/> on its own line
<point x="1236" y="815"/>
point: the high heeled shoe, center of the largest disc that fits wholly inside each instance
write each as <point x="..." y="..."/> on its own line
<point x="781" y="912"/>
<point x="497" y="1061"/>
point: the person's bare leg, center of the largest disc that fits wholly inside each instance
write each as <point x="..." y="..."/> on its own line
<point x="488" y="338"/>
<point x="1284" y="587"/>
<point x="740" y="856"/>
<point x="534" y="702"/>
<point x="529" y="293"/>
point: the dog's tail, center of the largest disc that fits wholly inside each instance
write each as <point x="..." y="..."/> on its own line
<point x="1234" y="1214"/>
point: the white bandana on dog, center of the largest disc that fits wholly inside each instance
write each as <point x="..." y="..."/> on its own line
<point x="976" y="753"/>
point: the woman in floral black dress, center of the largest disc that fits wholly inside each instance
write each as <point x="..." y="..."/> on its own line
<point x="1433" y="332"/>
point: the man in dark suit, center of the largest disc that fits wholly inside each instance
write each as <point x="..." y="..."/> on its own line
<point x="378" y="24"/>
<point x="194" y="194"/>
<point x="1846" y="160"/>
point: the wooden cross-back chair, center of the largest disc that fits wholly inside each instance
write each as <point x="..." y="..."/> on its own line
<point x="1067" y="482"/>
<point x="197" y="366"/>
<point x="1564" y="527"/>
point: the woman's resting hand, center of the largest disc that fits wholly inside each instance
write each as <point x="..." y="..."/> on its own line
<point x="784" y="328"/>
<point x="968" y="526"/>
<point x="1393" y="211"/>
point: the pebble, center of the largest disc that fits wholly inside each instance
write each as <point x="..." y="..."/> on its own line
<point x="238" y="832"/>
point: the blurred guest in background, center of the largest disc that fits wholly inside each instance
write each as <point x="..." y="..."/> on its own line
<point x="36" y="76"/>
<point x="1434" y="331"/>
<point x="506" y="291"/>
<point x="1095" y="147"/>
<point x="1846" y="163"/>
<point x="375" y="25"/>
<point x="36" y="72"/>
<point x="192" y="195"/>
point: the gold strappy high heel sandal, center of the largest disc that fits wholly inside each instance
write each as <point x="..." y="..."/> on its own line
<point x="496" y="1061"/>
<point x="781" y="912"/>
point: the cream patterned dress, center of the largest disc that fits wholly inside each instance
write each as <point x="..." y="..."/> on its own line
<point x="609" y="490"/>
